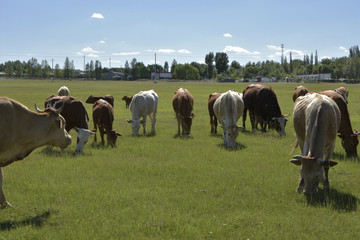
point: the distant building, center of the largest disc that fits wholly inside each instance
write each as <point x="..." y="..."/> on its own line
<point x="112" y="75"/>
<point x="161" y="75"/>
<point x="263" y="79"/>
<point x="320" y="76"/>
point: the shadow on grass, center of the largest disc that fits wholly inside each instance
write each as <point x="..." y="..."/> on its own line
<point x="334" y="199"/>
<point x="37" y="221"/>
<point x="183" y="137"/>
<point x="217" y="135"/>
<point x="237" y="147"/>
<point x="57" y="152"/>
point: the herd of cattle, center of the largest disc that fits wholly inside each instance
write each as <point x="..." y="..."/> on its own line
<point x="317" y="118"/>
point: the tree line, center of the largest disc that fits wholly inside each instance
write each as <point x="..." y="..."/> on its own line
<point x="216" y="66"/>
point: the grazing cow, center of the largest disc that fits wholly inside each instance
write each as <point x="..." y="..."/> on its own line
<point x="316" y="121"/>
<point x="63" y="91"/>
<point x="299" y="91"/>
<point x="343" y="92"/>
<point x="183" y="103"/>
<point x="349" y="137"/>
<point x="213" y="119"/>
<point x="76" y="117"/>
<point x="143" y="103"/>
<point x="264" y="108"/>
<point x="103" y="117"/>
<point x="22" y="131"/>
<point x="228" y="108"/>
<point x="108" y="98"/>
<point x="127" y="100"/>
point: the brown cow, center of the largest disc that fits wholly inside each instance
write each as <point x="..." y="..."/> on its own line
<point x="22" y="131"/>
<point x="343" y="92"/>
<point x="103" y="117"/>
<point x="349" y="139"/>
<point x="127" y="100"/>
<point x="213" y="119"/>
<point x="299" y="91"/>
<point x="108" y="98"/>
<point x="183" y="103"/>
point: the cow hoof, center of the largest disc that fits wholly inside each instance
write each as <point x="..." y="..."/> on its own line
<point x="5" y="205"/>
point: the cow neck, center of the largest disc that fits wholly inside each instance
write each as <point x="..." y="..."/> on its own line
<point x="40" y="131"/>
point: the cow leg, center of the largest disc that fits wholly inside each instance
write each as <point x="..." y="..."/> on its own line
<point x="326" y="180"/>
<point x="252" y="120"/>
<point x="102" y="132"/>
<point x="215" y="124"/>
<point x="153" y="123"/>
<point x="178" y="120"/>
<point x="244" y="117"/>
<point x="3" y="202"/>
<point x="301" y="185"/>
<point x="212" y="124"/>
<point x="144" y="124"/>
<point x="95" y="129"/>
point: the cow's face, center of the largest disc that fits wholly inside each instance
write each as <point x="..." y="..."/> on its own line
<point x="82" y="138"/>
<point x="350" y="143"/>
<point x="186" y="123"/>
<point x="111" y="137"/>
<point x="59" y="137"/>
<point x="279" y="123"/>
<point x="135" y="125"/>
<point x="230" y="135"/>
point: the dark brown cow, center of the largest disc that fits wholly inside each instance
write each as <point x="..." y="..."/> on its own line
<point x="75" y="116"/>
<point x="263" y="108"/>
<point x="103" y="117"/>
<point x="299" y="91"/>
<point x="108" y="98"/>
<point x="183" y="103"/>
<point x="22" y="131"/>
<point x="349" y="139"/>
<point x="127" y="100"/>
<point x="213" y="119"/>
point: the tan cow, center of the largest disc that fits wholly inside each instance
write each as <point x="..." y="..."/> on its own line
<point x="299" y="91"/>
<point x="22" y="131"/>
<point x="183" y="103"/>
<point x="316" y="121"/>
<point x="343" y="92"/>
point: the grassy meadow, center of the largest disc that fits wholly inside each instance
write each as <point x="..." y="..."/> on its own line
<point x="168" y="187"/>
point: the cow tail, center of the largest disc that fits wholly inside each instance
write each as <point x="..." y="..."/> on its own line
<point x="294" y="146"/>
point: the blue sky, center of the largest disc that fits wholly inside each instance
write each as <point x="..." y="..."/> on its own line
<point x="187" y="30"/>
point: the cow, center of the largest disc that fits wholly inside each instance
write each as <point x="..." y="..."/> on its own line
<point x="263" y="108"/>
<point x="213" y="119"/>
<point x="343" y="92"/>
<point x="110" y="99"/>
<point x="316" y="121"/>
<point x="228" y="108"/>
<point x="63" y="91"/>
<point x="299" y="91"/>
<point x="76" y="116"/>
<point x="183" y="103"/>
<point x="143" y="104"/>
<point x="127" y="100"/>
<point x="22" y="131"/>
<point x="103" y="117"/>
<point x="349" y="137"/>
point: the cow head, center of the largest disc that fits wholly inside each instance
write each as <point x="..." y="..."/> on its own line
<point x="111" y="137"/>
<point x="230" y="135"/>
<point x="311" y="172"/>
<point x="55" y="126"/>
<point x="135" y="125"/>
<point x="279" y="123"/>
<point x="82" y="138"/>
<point x="349" y="143"/>
<point x="186" y="123"/>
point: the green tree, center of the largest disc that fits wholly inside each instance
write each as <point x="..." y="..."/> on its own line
<point x="209" y="60"/>
<point x="98" y="69"/>
<point x="67" y="68"/>
<point x="235" y="64"/>
<point x="126" y="69"/>
<point x="9" y="69"/>
<point x="166" y="66"/>
<point x="173" y="65"/>
<point x="352" y="67"/>
<point x="221" y="62"/>
<point x="186" y="72"/>
<point x="133" y="67"/>
<point x="58" y="72"/>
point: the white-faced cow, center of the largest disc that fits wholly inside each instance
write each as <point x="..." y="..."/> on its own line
<point x="228" y="108"/>
<point x="316" y="121"/>
<point x="103" y="117"/>
<point x="142" y="105"/>
<point x="75" y="115"/>
<point x="21" y="131"/>
<point x="110" y="99"/>
<point x="183" y="103"/>
<point x="343" y="92"/>
<point x="63" y="91"/>
<point x="213" y="119"/>
<point x="127" y="100"/>
<point x="263" y="108"/>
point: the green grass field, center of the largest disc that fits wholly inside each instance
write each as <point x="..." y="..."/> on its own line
<point x="166" y="187"/>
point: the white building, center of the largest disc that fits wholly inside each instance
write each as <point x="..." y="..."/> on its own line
<point x="320" y="76"/>
<point x="161" y="75"/>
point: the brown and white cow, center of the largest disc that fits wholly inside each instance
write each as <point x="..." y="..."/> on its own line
<point x="183" y="103"/>
<point x="228" y="108"/>
<point x="110" y="99"/>
<point x="22" y="131"/>
<point x="63" y="91"/>
<point x="127" y="100"/>
<point x="213" y="119"/>
<point x="103" y="117"/>
<point x="316" y="121"/>
<point x="343" y="92"/>
<point x="75" y="115"/>
<point x="263" y="108"/>
<point x="299" y="91"/>
<point x="142" y="105"/>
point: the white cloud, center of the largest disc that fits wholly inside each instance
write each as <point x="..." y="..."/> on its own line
<point x="97" y="15"/>
<point x="239" y="50"/>
<point x="88" y="51"/>
<point x="102" y="42"/>
<point x="126" y="53"/>
<point x="325" y="57"/>
<point x="273" y="47"/>
<point x="184" y="51"/>
<point x="343" y="49"/>
<point x="227" y="35"/>
<point x="93" y="55"/>
<point x="166" y="50"/>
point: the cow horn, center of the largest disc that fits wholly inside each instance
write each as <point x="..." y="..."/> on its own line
<point x="59" y="110"/>
<point x="286" y="115"/>
<point x="37" y="109"/>
<point x="129" y="121"/>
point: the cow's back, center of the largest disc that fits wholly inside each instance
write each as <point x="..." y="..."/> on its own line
<point x="229" y="107"/>
<point x="266" y="104"/>
<point x="183" y="102"/>
<point x="144" y="102"/>
<point x="249" y="95"/>
<point x="103" y="113"/>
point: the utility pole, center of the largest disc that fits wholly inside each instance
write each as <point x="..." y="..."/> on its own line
<point x="155" y="69"/>
<point x="84" y="67"/>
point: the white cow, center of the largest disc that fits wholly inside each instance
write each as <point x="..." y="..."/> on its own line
<point x="143" y="103"/>
<point x="228" y="108"/>
<point x="316" y="121"/>
<point x="63" y="91"/>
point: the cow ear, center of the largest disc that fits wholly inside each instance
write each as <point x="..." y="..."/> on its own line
<point x="333" y="163"/>
<point x="296" y="161"/>
<point x="129" y="121"/>
<point x="192" y="115"/>
<point x="286" y="115"/>
<point x="118" y="134"/>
